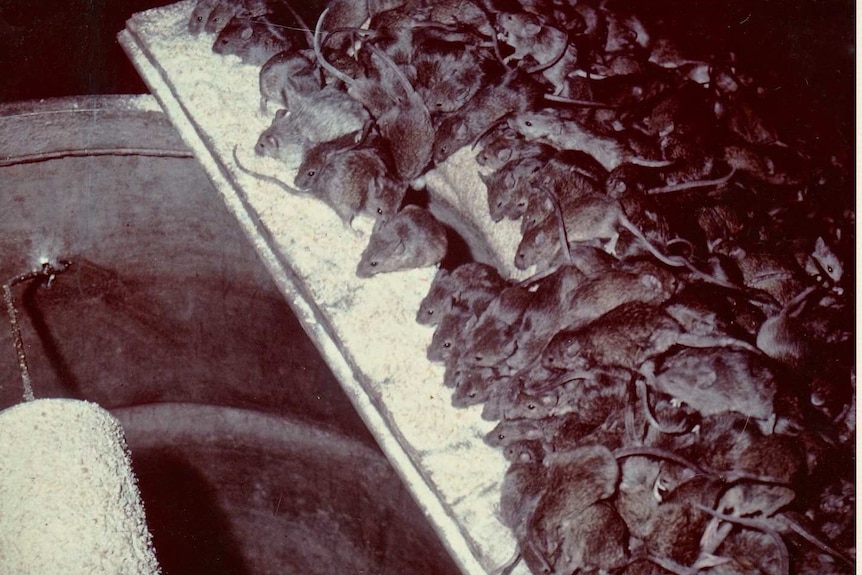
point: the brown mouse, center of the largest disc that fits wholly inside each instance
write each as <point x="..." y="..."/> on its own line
<point x="492" y="102"/>
<point x="625" y="336"/>
<point x="472" y="285"/>
<point x="492" y="338"/>
<point x="412" y="238"/>
<point x="577" y="479"/>
<point x="318" y="154"/>
<point x="407" y="126"/>
<point x="475" y="385"/>
<point x="510" y="187"/>
<point x="400" y="116"/>
<point x="547" y="126"/>
<point x="449" y="334"/>
<point x="601" y="293"/>
<point x="448" y="74"/>
<point x="346" y="180"/>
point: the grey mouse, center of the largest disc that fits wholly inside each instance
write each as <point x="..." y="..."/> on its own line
<point x="412" y="238"/>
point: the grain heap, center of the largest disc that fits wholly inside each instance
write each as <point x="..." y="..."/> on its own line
<point x="675" y="385"/>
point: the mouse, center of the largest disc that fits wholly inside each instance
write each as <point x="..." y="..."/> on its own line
<point x="595" y="217"/>
<point x="596" y="539"/>
<point x="386" y="196"/>
<point x="625" y="336"/>
<point x="346" y="180"/>
<point x="508" y="432"/>
<point x="783" y="337"/>
<point x="628" y="178"/>
<point x="600" y="293"/>
<point x="589" y="397"/>
<point x="577" y="479"/>
<point x="437" y="303"/>
<point x="407" y="126"/>
<point x="373" y="93"/>
<point x="539" y="322"/>
<point x="492" y="336"/>
<point x="502" y="145"/>
<point x="448" y="73"/>
<point x="510" y="187"/>
<point x="520" y="491"/>
<point x="548" y="126"/>
<point x="254" y="42"/>
<point x="822" y="264"/>
<point x="404" y="119"/>
<point x="220" y="14"/>
<point x="472" y="285"/>
<point x="533" y="40"/>
<point x="322" y="117"/>
<point x="714" y="380"/>
<point x="200" y="14"/>
<point x="412" y="238"/>
<point x="475" y="385"/>
<point x="460" y="13"/>
<point x="449" y="335"/>
<point x="346" y="14"/>
<point x="286" y="77"/>
<point x="514" y="93"/>
<point x="317" y="155"/>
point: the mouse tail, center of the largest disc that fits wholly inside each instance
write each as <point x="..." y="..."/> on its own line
<point x="319" y="54"/>
<point x="723" y="180"/>
<point x="553" y="61"/>
<point x="406" y="85"/>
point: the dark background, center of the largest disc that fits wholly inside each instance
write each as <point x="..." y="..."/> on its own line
<point x="805" y="48"/>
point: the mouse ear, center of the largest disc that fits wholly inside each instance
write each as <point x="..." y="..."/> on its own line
<point x="461" y="130"/>
<point x="819" y="245"/>
<point x="246" y="33"/>
<point x="532" y="28"/>
<point x="279" y="114"/>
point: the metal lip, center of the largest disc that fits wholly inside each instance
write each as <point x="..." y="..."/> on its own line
<point x="77" y="104"/>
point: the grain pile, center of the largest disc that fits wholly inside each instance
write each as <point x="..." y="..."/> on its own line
<point x="675" y="385"/>
<point x="69" y="502"/>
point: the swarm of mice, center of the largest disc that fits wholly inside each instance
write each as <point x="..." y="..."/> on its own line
<point x="675" y="386"/>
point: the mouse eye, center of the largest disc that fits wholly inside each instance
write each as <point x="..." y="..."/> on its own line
<point x="374" y="264"/>
<point x="430" y="312"/>
<point x="311" y="173"/>
<point x="439" y="104"/>
<point x="531" y="406"/>
<point x="829" y="269"/>
<point x="447" y="345"/>
<point x="528" y="123"/>
<point x="200" y="18"/>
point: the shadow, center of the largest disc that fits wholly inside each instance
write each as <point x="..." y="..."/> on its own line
<point x="191" y="535"/>
<point x="30" y="305"/>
